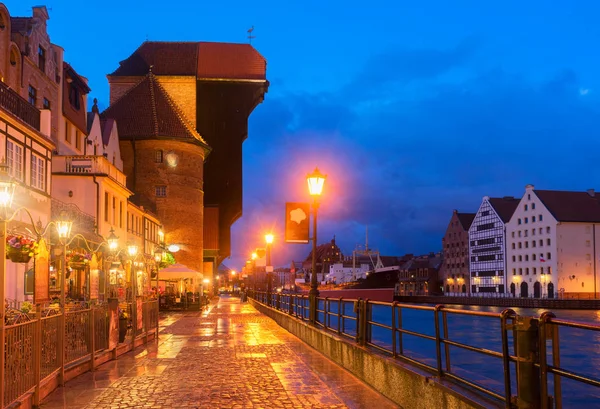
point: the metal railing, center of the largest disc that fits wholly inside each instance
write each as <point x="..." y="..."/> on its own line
<point x="77" y="335"/>
<point x="33" y="349"/>
<point x="19" y="106"/>
<point x="389" y="328"/>
<point x="19" y="364"/>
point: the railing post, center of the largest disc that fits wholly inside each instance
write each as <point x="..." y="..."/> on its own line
<point x="505" y="315"/>
<point x="367" y="316"/>
<point x="93" y="338"/>
<point x="527" y="351"/>
<point x="394" y="353"/>
<point x="357" y="310"/>
<point x="278" y="302"/>
<point x="340" y="315"/>
<point x="291" y="304"/>
<point x="37" y="360"/>
<point x="62" y="345"/>
<point x="545" y="333"/>
<point x="438" y="341"/>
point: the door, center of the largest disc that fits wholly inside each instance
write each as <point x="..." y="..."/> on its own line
<point x="524" y="289"/>
<point x="512" y="289"/>
<point x="550" y="290"/>
<point x="536" y="289"/>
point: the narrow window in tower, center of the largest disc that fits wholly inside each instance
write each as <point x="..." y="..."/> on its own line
<point x="161" y="191"/>
<point x="158" y="156"/>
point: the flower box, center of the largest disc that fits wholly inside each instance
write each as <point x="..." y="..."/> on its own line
<point x="18" y="256"/>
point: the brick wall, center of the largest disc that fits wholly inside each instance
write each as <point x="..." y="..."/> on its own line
<point x="182" y="210"/>
<point x="183" y="91"/>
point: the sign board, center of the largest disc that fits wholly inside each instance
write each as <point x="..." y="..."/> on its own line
<point x="94" y="278"/>
<point x="42" y="273"/>
<point x="297" y="220"/>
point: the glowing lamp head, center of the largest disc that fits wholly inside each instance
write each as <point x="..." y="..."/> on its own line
<point x="206" y="281"/>
<point x="173" y="248"/>
<point x="233" y="272"/>
<point x="7" y="187"/>
<point x="254" y="256"/>
<point x="63" y="226"/>
<point x="269" y="238"/>
<point x="112" y="240"/>
<point x="132" y="250"/>
<point x="315" y="180"/>
<point x="158" y="255"/>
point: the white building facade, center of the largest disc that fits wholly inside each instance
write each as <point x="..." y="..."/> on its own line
<point x="487" y="249"/>
<point x="554" y="244"/>
<point x="344" y="272"/>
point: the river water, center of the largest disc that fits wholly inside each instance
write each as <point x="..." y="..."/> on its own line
<point x="579" y="349"/>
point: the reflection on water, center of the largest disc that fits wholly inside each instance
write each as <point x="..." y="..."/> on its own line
<point x="579" y="349"/>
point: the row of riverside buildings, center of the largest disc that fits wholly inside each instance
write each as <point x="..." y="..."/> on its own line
<point x="545" y="244"/>
<point x="162" y="164"/>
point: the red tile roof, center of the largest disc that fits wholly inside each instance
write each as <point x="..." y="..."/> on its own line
<point x="504" y="206"/>
<point x="231" y="61"/>
<point x="147" y="111"/>
<point x="204" y="60"/>
<point x="568" y="206"/>
<point x="465" y="219"/>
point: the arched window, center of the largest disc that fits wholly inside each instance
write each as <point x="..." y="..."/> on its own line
<point x="158" y="156"/>
<point x="13" y="57"/>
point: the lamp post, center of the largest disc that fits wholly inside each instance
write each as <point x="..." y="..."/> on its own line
<point x="132" y="250"/>
<point x="7" y="191"/>
<point x="315" y="180"/>
<point x="63" y="228"/>
<point x="253" y="258"/>
<point x="269" y="268"/>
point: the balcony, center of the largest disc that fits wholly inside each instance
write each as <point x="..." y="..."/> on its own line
<point x="19" y="107"/>
<point x="82" y="222"/>
<point x="88" y="165"/>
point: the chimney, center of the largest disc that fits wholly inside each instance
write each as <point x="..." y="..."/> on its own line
<point x="591" y="192"/>
<point x="45" y="122"/>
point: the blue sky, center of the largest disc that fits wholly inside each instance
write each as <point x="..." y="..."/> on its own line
<point x="413" y="109"/>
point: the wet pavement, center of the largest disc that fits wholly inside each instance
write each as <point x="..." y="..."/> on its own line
<point x="230" y="356"/>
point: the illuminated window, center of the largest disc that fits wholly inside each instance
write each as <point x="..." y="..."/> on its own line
<point x="38" y="172"/>
<point x="14" y="155"/>
<point x="161" y="191"/>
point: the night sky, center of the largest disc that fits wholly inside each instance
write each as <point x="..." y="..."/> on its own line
<point x="412" y="109"/>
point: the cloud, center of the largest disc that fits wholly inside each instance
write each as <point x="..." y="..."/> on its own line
<point x="404" y="163"/>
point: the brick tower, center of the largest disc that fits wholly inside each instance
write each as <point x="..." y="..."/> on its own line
<point x="163" y="157"/>
<point x="207" y="89"/>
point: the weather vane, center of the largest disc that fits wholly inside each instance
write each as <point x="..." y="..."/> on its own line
<point x="250" y="36"/>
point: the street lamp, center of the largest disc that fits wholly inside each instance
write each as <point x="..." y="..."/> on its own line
<point x="7" y="191"/>
<point x="112" y="240"/>
<point x="269" y="268"/>
<point x="315" y="180"/>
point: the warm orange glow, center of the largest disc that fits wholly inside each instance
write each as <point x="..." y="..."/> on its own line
<point x="315" y="180"/>
<point x="269" y="238"/>
<point x="254" y="256"/>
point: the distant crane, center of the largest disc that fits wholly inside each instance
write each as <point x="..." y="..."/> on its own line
<point x="250" y="36"/>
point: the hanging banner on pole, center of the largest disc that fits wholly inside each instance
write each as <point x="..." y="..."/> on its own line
<point x="297" y="220"/>
<point x="42" y="273"/>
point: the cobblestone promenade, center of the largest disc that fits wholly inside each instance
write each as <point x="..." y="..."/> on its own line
<point x="229" y="357"/>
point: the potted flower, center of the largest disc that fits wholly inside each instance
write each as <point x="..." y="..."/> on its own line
<point x="26" y="307"/>
<point x="20" y="249"/>
<point x="123" y="318"/>
<point x="78" y="260"/>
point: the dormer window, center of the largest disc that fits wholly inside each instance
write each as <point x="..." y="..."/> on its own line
<point x="42" y="58"/>
<point x="74" y="96"/>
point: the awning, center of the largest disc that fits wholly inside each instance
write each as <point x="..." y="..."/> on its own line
<point x="177" y="272"/>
